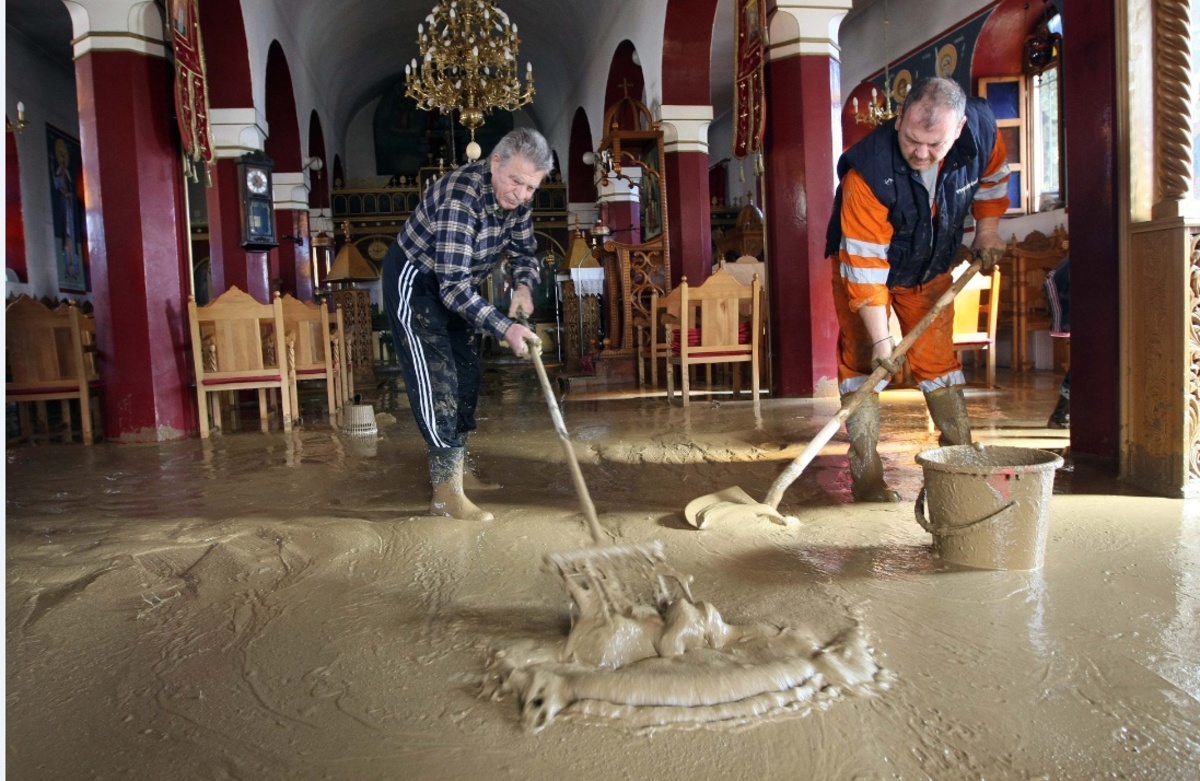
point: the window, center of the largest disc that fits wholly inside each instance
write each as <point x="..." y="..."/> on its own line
<point x="1028" y="110"/>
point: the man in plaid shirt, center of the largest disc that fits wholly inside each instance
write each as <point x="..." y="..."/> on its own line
<point x="466" y="223"/>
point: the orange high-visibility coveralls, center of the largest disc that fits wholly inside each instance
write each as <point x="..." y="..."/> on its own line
<point x="860" y="272"/>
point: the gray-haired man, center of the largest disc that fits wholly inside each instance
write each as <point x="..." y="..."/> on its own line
<point x="466" y="223"/>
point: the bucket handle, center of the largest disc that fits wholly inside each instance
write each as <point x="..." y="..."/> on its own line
<point x="950" y="531"/>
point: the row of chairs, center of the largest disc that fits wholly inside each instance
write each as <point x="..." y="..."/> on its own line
<point x="724" y="320"/>
<point x="238" y="343"/>
<point x="50" y="356"/>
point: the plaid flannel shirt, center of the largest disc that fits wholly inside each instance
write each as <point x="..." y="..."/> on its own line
<point x="459" y="232"/>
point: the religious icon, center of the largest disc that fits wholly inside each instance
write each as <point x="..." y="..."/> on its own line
<point x="67" y="209"/>
<point x="947" y="61"/>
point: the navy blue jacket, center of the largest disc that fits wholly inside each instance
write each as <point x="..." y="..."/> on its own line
<point x="921" y="247"/>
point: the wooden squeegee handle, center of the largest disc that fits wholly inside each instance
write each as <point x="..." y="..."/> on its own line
<point x="851" y="403"/>
<point x="581" y="490"/>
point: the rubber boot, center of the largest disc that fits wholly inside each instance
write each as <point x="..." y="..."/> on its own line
<point x="446" y="476"/>
<point x="866" y="468"/>
<point x="948" y="408"/>
<point x="1061" y="417"/>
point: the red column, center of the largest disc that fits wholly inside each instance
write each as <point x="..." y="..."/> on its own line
<point x="137" y="244"/>
<point x="624" y="218"/>
<point x="295" y="268"/>
<point x="799" y="187"/>
<point x="232" y="266"/>
<point x="1090" y="90"/>
<point x="689" y="216"/>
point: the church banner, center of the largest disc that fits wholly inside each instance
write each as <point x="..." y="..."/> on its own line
<point x="191" y="84"/>
<point x="749" y="92"/>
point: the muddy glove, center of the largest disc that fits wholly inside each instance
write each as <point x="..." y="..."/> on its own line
<point x="989" y="255"/>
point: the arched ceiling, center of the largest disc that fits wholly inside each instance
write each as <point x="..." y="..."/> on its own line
<point x="366" y="44"/>
<point x="354" y="50"/>
<point x="350" y="52"/>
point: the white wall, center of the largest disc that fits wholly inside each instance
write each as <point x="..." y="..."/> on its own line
<point x="48" y="91"/>
<point x="359" y="160"/>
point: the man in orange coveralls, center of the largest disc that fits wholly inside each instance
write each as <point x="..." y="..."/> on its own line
<point x="903" y="196"/>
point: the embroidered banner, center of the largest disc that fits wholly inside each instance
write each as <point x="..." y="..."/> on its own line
<point x="191" y="84"/>
<point x="749" y="94"/>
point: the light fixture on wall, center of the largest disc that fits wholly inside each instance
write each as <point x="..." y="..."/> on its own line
<point x="313" y="164"/>
<point x="19" y="125"/>
<point x="880" y="109"/>
<point x="604" y="168"/>
<point x="1044" y="46"/>
<point x="468" y="64"/>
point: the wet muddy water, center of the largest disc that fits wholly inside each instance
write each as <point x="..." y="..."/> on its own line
<point x="277" y="606"/>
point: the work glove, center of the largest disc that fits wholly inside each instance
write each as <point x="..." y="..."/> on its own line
<point x="989" y="255"/>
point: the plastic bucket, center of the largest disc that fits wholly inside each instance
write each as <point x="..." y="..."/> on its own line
<point x="359" y="420"/>
<point x="988" y="506"/>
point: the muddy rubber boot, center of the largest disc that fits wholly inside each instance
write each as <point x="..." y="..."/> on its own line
<point x="866" y="468"/>
<point x="1061" y="417"/>
<point x="446" y="476"/>
<point x="948" y="408"/>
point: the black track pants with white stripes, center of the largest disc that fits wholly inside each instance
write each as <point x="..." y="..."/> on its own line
<point x="434" y="346"/>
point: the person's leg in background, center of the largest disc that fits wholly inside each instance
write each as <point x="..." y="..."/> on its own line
<point x="1061" y="417"/>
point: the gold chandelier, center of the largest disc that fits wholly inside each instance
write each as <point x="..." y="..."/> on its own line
<point x="468" y="64"/>
<point x="879" y="110"/>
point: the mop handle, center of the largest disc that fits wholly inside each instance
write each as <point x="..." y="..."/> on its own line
<point x="852" y="402"/>
<point x="581" y="490"/>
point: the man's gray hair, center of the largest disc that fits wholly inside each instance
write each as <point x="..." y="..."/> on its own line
<point x="935" y="96"/>
<point x="529" y="144"/>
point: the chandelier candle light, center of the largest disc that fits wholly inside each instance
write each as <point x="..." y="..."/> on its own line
<point x="880" y="111"/>
<point x="468" y="64"/>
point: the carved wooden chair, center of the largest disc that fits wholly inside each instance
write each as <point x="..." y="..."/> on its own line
<point x="712" y="330"/>
<point x="314" y="353"/>
<point x="341" y="356"/>
<point x="50" y="355"/>
<point x="652" y="348"/>
<point x="238" y="344"/>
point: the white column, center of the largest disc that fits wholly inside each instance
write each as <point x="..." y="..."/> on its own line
<point x="685" y="128"/>
<point x="116" y="25"/>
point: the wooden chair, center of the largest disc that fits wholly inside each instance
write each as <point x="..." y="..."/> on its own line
<point x="238" y="344"/>
<point x="711" y="330"/>
<point x="314" y="353"/>
<point x="341" y="356"/>
<point x="976" y="314"/>
<point x="653" y="347"/>
<point x="50" y="355"/>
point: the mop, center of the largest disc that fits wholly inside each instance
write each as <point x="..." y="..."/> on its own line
<point x="599" y="578"/>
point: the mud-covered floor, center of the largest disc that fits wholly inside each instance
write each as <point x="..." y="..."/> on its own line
<point x="276" y="606"/>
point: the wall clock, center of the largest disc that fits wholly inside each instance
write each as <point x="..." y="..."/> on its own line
<point x="258" y="207"/>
